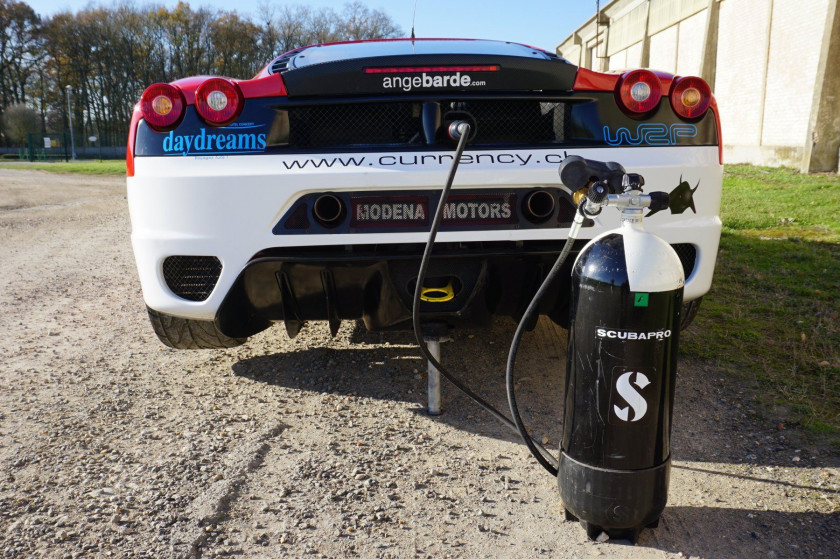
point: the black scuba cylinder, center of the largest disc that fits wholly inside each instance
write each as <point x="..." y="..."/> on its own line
<point x="627" y="288"/>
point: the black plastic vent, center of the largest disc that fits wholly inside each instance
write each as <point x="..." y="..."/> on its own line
<point x="192" y="277"/>
<point x="688" y="256"/>
<point x="280" y="66"/>
<point x="359" y="124"/>
<point x="495" y="122"/>
<point x="501" y="121"/>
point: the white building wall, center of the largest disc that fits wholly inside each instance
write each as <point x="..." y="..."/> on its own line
<point x="741" y="62"/>
<point x="690" y="49"/>
<point x="619" y="60"/>
<point x="663" y="50"/>
<point x="634" y="56"/>
<point x="765" y="71"/>
<point x="792" y="70"/>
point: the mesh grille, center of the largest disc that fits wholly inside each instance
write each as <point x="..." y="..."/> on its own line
<point x="688" y="256"/>
<point x="511" y="121"/>
<point x="494" y="122"/>
<point x="191" y="277"/>
<point x="359" y="124"/>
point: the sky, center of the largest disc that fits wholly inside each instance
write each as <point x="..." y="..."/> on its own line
<point x="539" y="23"/>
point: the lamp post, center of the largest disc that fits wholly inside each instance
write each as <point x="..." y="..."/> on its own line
<point x="69" y="89"/>
<point x="105" y="104"/>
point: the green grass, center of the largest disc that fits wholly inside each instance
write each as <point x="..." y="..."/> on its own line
<point x="104" y="167"/>
<point x="773" y="313"/>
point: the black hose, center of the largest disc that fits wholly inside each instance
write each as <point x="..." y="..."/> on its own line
<point x="415" y="308"/>
<point x="536" y="450"/>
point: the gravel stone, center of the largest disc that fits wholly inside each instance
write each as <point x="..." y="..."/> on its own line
<point x="112" y="445"/>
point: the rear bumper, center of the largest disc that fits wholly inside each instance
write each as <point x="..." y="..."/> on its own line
<point x="376" y="285"/>
<point x="227" y="207"/>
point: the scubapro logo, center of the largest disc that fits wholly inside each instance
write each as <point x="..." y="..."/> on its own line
<point x="627" y="335"/>
<point x="624" y="386"/>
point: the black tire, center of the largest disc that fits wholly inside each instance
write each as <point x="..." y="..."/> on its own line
<point x="689" y="311"/>
<point x="184" y="333"/>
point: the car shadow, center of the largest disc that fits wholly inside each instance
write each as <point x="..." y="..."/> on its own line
<point x="714" y="417"/>
<point x="397" y="372"/>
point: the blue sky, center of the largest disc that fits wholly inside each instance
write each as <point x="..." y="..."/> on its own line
<point x="541" y="23"/>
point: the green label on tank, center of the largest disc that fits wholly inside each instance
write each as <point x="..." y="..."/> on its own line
<point x="640" y="299"/>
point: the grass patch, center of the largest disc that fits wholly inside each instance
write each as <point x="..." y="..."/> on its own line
<point x="773" y="313"/>
<point x="104" y="167"/>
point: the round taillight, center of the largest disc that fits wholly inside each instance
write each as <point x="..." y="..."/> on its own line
<point x="218" y="101"/>
<point x="690" y="97"/>
<point x="639" y="91"/>
<point x="162" y="106"/>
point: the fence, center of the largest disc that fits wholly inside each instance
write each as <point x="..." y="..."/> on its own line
<point x="82" y="152"/>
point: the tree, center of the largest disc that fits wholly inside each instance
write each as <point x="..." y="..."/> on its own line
<point x="360" y="22"/>
<point x="18" y="121"/>
<point x="19" y="54"/>
<point x="110" y="53"/>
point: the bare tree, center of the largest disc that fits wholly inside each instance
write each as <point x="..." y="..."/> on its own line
<point x="108" y="54"/>
<point x="360" y="22"/>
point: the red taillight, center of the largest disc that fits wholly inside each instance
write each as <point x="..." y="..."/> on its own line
<point x="690" y="97"/>
<point x="639" y="91"/>
<point x="218" y="101"/>
<point x="162" y="106"/>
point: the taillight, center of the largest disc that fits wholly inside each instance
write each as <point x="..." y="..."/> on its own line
<point x="639" y="91"/>
<point x="690" y="97"/>
<point x="162" y="106"/>
<point x="218" y="101"/>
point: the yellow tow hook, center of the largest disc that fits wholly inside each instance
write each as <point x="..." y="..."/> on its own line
<point x="437" y="294"/>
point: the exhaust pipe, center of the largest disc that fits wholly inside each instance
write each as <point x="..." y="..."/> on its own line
<point x="539" y="206"/>
<point x="329" y="210"/>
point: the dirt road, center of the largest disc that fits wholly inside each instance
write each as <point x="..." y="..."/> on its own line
<point x="113" y="445"/>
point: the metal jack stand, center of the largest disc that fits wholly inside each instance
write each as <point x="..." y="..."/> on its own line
<point x="433" y="344"/>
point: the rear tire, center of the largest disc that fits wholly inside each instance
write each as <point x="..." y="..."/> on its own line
<point x="689" y="311"/>
<point x="185" y="333"/>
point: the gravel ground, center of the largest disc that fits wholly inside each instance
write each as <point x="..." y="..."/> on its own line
<point x="113" y="445"/>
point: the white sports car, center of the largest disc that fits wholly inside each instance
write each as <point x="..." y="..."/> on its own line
<point x="307" y="192"/>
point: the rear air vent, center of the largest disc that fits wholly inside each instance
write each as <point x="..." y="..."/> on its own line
<point x="192" y="277"/>
<point x="280" y="66"/>
<point x="688" y="256"/>
<point x="496" y="122"/>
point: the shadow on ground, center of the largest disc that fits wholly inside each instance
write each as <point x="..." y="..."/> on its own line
<point x="714" y="417"/>
<point x="397" y="372"/>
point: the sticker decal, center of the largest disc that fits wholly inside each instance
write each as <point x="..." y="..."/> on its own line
<point x="625" y="388"/>
<point x="641" y="299"/>
<point x="630" y="335"/>
<point x="681" y="198"/>
<point x="652" y="134"/>
<point x="426" y="81"/>
<point x="218" y="141"/>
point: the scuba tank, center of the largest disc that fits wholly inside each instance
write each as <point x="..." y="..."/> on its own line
<point x="627" y="288"/>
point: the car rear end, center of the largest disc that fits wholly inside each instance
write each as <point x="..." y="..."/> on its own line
<point x="307" y="192"/>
